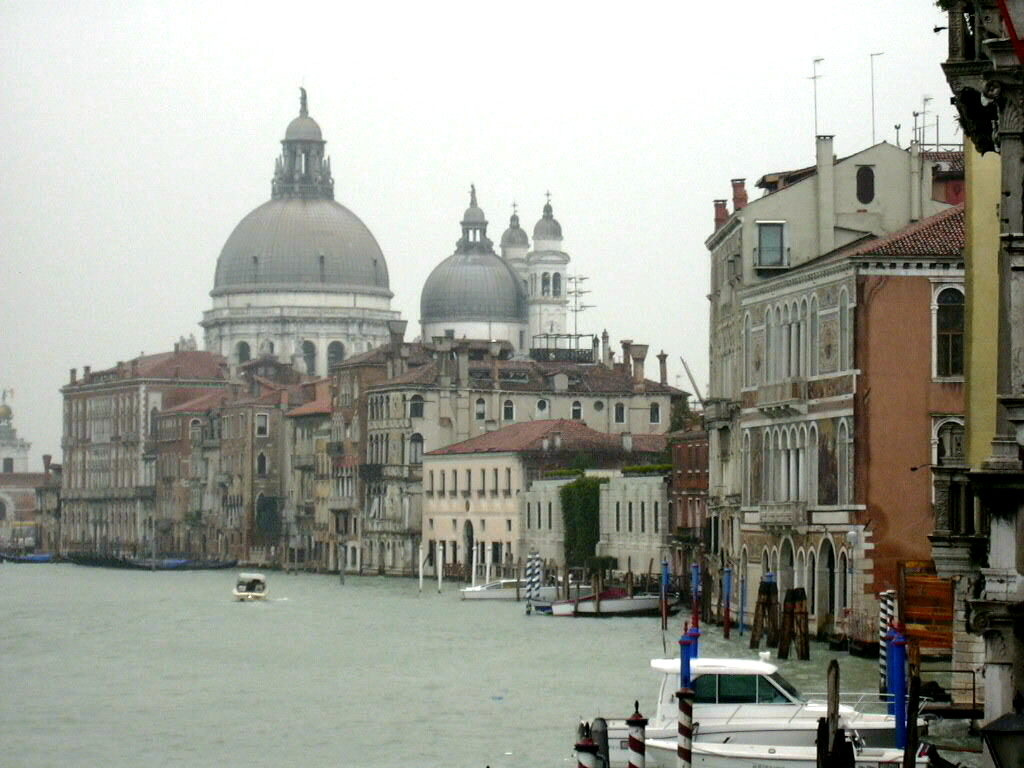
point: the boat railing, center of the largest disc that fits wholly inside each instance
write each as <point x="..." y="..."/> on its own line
<point x="865" y="702"/>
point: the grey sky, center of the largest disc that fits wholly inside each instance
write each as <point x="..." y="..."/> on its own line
<point x="137" y="134"/>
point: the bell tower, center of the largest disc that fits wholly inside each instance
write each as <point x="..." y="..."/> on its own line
<point x="302" y="170"/>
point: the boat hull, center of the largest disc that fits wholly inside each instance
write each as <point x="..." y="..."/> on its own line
<point x="624" y="605"/>
<point x="40" y="557"/>
<point x="662" y="753"/>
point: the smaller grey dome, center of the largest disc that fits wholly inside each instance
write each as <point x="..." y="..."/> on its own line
<point x="474" y="214"/>
<point x="547" y="228"/>
<point x="515" y="236"/>
<point x="303" y="128"/>
<point x="473" y="287"/>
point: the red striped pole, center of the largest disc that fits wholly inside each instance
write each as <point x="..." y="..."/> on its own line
<point x="684" y="750"/>
<point x="637" y="725"/>
<point x="586" y="749"/>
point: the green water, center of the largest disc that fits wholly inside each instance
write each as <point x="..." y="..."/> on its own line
<point x="126" y="668"/>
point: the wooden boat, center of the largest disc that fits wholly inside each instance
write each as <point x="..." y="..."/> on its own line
<point x="36" y="557"/>
<point x="614" y="601"/>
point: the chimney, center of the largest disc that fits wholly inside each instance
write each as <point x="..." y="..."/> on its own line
<point x="825" y="163"/>
<point x="739" y="194"/>
<point x="135" y="367"/>
<point x="396" y="332"/>
<point x="627" y="442"/>
<point x="463" y="357"/>
<point x="639" y="354"/>
<point x="86" y="370"/>
<point x="177" y="347"/>
<point x="663" y="367"/>
<point x="916" y="192"/>
<point x="605" y="359"/>
<point x="74" y="375"/>
<point x="47" y="458"/>
<point x="594" y="349"/>
<point x="626" y="344"/>
<point x="721" y="214"/>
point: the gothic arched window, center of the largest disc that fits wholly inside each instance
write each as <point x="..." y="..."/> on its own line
<point x="416" y="449"/>
<point x="416" y="407"/>
<point x="261" y="465"/>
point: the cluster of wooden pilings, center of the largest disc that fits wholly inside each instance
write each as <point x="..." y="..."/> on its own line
<point x="793" y="628"/>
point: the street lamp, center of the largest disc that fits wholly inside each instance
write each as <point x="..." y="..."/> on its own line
<point x="1004" y="737"/>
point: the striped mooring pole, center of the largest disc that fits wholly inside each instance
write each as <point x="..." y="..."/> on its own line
<point x="684" y="749"/>
<point x="586" y="749"/>
<point x="886" y="617"/>
<point x="637" y="725"/>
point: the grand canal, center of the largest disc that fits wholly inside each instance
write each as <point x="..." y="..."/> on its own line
<point x="127" y="668"/>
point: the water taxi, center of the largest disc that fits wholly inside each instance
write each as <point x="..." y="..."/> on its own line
<point x="250" y="586"/>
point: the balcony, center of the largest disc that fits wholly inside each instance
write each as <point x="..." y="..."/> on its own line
<point x="303" y="461"/>
<point x="785" y="398"/>
<point x="783" y="514"/>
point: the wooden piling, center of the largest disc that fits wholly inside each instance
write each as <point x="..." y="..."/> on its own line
<point x="759" y="616"/>
<point x="788" y="617"/>
<point x="772" y="615"/>
<point x="800" y="631"/>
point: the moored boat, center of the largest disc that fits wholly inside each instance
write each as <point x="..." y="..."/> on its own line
<point x="250" y="586"/>
<point x="662" y="754"/>
<point x="746" y="702"/>
<point x="612" y="602"/>
<point x="34" y="557"/>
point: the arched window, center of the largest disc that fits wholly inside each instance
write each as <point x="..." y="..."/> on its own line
<point x="655" y="413"/>
<point x="812" y="344"/>
<point x="950" y="448"/>
<point x="416" y="449"/>
<point x="865" y="184"/>
<point x="335" y="353"/>
<point x="949" y="333"/>
<point x="747" y="372"/>
<point x="242" y="352"/>
<point x="577" y="410"/>
<point x="309" y="357"/>
<point x="843" y="582"/>
<point x="843" y="464"/>
<point x="812" y="583"/>
<point x="508" y="411"/>
<point x="481" y="409"/>
<point x="416" y="407"/>
<point x="545" y="284"/>
<point x="620" y="413"/>
<point x="556" y="284"/>
<point x="766" y="368"/>
<point x="261" y="465"/>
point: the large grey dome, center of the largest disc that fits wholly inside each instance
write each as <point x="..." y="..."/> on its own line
<point x="301" y="244"/>
<point x="473" y="286"/>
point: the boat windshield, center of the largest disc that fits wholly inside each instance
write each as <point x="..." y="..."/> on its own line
<point x="787" y="686"/>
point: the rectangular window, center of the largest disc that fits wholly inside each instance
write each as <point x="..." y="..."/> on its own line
<point x="643" y="517"/>
<point x="262" y="424"/>
<point x="508" y="524"/>
<point x="618" y="516"/>
<point x="629" y="516"/>
<point x="529" y="515"/>
<point x="508" y="481"/>
<point x="656" y="523"/>
<point x="549" y="515"/>
<point x="769" y="245"/>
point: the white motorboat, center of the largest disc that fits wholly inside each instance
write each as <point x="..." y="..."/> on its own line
<point x="611" y="602"/>
<point x="662" y="754"/>
<point x="747" y="702"/>
<point x="250" y="586"/>
<point x="505" y="589"/>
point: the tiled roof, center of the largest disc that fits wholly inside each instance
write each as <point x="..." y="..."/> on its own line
<point x="322" y="405"/>
<point x="197" y="364"/>
<point x="938" y="235"/>
<point x="529" y="436"/>
<point x="950" y="161"/>
<point x="200" y="404"/>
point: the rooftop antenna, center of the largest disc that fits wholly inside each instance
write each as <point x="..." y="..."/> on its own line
<point x="872" y="58"/>
<point x="914" y="134"/>
<point x="924" y="114"/>
<point x="814" y="79"/>
<point x="897" y="127"/>
<point x="575" y="292"/>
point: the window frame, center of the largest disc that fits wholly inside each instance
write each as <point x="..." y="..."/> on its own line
<point x="763" y="226"/>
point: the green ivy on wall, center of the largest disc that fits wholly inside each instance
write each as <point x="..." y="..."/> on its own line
<point x="581" y="500"/>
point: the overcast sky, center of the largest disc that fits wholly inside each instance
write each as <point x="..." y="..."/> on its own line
<point x="135" y="135"/>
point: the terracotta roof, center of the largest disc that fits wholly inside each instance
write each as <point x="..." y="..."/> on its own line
<point x="322" y="405"/>
<point x="529" y="436"/>
<point x="938" y="235"/>
<point x="200" y="404"/>
<point x="196" y="364"/>
<point x="951" y="162"/>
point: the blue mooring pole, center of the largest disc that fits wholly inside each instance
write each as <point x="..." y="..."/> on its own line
<point x="898" y="673"/>
<point x="889" y="637"/>
<point x="684" y="659"/>
<point x="726" y="600"/>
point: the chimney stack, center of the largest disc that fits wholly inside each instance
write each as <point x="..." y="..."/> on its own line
<point x="74" y="375"/>
<point x="739" y="194"/>
<point x="606" y="359"/>
<point x="47" y="458"/>
<point x="639" y="354"/>
<point x="626" y="344"/>
<point x="86" y="370"/>
<point x="663" y="367"/>
<point x="721" y="214"/>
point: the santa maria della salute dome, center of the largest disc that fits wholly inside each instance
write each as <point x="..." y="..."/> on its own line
<point x="301" y="276"/>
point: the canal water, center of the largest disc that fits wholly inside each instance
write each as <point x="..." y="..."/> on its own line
<point x="126" y="668"/>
